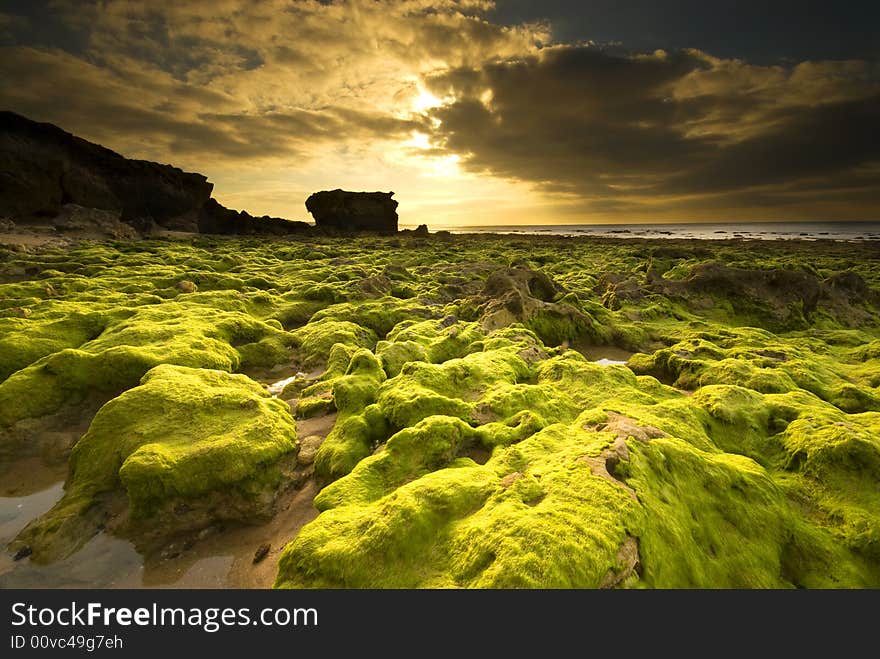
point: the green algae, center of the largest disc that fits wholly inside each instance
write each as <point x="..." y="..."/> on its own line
<point x="52" y="328"/>
<point x="170" y="333"/>
<point x="475" y="445"/>
<point x="179" y="436"/>
<point x="315" y="339"/>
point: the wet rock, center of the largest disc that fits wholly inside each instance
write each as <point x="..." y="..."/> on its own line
<point x="777" y="298"/>
<point x="628" y="561"/>
<point x="849" y="283"/>
<point x="511" y="478"/>
<point x="530" y="297"/>
<point x="626" y="428"/>
<point x="262" y="552"/>
<point x="174" y="411"/>
<point x="397" y="272"/>
<point x="374" y="287"/>
<point x="346" y="211"/>
<point x="44" y="170"/>
<point x="308" y="447"/>
<point x="145" y="226"/>
<point x="23" y="552"/>
<point x="93" y="222"/>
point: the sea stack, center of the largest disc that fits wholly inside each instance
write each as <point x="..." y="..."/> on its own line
<point x="342" y="210"/>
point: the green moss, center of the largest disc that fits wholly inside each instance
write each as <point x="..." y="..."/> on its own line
<point x="442" y="339"/>
<point x="175" y="333"/>
<point x="550" y="522"/>
<point x="473" y="446"/>
<point x="350" y="441"/>
<point x="429" y="445"/>
<point x="360" y="424"/>
<point x="423" y="389"/>
<point x="725" y="524"/>
<point x="181" y="435"/>
<point x="393" y="355"/>
<point x="56" y="327"/>
<point x="297" y="313"/>
<point x="268" y="351"/>
<point x="315" y="339"/>
<point x="380" y="316"/>
<point x="349" y="549"/>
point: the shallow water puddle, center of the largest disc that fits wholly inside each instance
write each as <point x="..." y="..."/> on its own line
<point x="29" y="488"/>
<point x="223" y="559"/>
<point x="276" y="388"/>
<point x="610" y="362"/>
<point x="279" y="376"/>
<point x="604" y="355"/>
<point x="16" y="512"/>
<point x="104" y="562"/>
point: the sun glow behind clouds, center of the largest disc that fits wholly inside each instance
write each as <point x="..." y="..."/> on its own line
<point x="418" y="152"/>
<point x="425" y="100"/>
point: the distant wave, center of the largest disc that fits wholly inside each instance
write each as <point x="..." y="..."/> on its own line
<point x="846" y="231"/>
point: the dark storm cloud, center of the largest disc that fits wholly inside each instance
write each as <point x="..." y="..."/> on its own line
<point x="757" y="30"/>
<point x="671" y="127"/>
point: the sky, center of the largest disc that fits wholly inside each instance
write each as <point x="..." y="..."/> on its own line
<point x="474" y="112"/>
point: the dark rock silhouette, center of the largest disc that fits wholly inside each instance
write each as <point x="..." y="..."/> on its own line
<point x="216" y="218"/>
<point x="48" y="176"/>
<point x="341" y="210"/>
<point x="42" y="167"/>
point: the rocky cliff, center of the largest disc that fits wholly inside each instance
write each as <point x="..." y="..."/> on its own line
<point x="341" y="210"/>
<point x="48" y="176"/>
<point x="43" y="168"/>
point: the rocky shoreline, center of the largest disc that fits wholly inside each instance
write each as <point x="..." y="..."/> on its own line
<point x="56" y="185"/>
<point x="449" y="401"/>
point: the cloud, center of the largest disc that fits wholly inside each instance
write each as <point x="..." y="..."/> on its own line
<point x="241" y="79"/>
<point x="315" y="88"/>
<point x="151" y="115"/>
<point x="664" y="132"/>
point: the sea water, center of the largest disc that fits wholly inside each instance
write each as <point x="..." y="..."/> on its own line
<point x="846" y="231"/>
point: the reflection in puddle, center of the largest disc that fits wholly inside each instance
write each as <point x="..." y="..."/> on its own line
<point x="609" y="362"/>
<point x="30" y="487"/>
<point x="276" y="388"/>
<point x="16" y="512"/>
<point x="224" y="559"/>
<point x="104" y="562"/>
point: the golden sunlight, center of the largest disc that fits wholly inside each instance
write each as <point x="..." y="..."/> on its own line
<point x="425" y="100"/>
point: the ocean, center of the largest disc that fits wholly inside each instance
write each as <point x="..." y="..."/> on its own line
<point x="845" y="231"/>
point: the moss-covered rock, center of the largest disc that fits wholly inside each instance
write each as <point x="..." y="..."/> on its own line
<point x="195" y="438"/>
